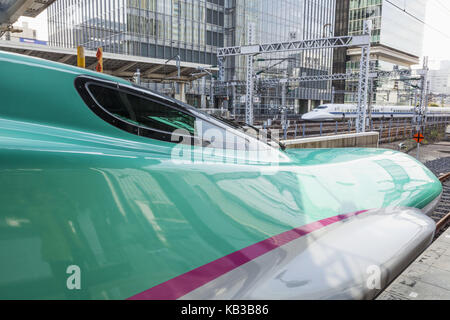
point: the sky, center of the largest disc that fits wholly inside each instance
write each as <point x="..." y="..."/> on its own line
<point x="436" y="42"/>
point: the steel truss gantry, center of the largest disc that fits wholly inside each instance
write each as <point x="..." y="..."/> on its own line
<point x="324" y="77"/>
<point x="390" y="74"/>
<point x="325" y="43"/>
<point x="249" y="93"/>
<point x="251" y="50"/>
<point x="363" y="84"/>
<point x="276" y="81"/>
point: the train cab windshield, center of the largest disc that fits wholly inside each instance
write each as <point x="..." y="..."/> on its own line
<point x="146" y="113"/>
<point x="319" y="108"/>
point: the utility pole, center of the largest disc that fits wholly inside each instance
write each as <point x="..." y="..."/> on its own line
<point x="221" y="68"/>
<point x="371" y="88"/>
<point x="203" y="73"/>
<point x="178" y="62"/>
<point x="333" y="93"/>
<point x="233" y="98"/>
<point x="427" y="99"/>
<point x="203" y="99"/>
<point x="364" y="81"/>
<point x="249" y="93"/>
<point x="422" y="107"/>
<point x="284" y="119"/>
<point x="211" y="94"/>
<point x="371" y="91"/>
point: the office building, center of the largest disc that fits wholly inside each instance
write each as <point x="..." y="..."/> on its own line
<point x="148" y="28"/>
<point x="397" y="40"/>
<point x="23" y="33"/>
<point x="340" y="54"/>
<point x="195" y="29"/>
<point x="440" y="79"/>
<point x="276" y="21"/>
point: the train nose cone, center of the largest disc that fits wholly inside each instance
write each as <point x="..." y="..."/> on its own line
<point x="306" y="116"/>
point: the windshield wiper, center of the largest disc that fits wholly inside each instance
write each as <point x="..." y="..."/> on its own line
<point x="231" y="123"/>
<point x="239" y="126"/>
<point x="269" y="136"/>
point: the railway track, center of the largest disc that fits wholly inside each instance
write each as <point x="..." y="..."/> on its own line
<point x="442" y="213"/>
<point x="390" y="129"/>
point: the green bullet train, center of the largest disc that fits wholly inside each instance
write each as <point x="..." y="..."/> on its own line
<point x="112" y="191"/>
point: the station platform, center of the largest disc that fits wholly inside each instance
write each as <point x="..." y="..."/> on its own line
<point x="428" y="278"/>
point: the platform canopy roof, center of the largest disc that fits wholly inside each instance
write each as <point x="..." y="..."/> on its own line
<point x="119" y="65"/>
<point x="11" y="10"/>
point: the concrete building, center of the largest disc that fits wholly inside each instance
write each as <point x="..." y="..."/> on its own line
<point x="440" y="79"/>
<point x="23" y="33"/>
<point x="11" y="10"/>
<point x="397" y="40"/>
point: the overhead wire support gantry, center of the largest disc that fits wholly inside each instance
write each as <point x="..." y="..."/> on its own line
<point x="326" y="77"/>
<point x="325" y="43"/>
<point x="251" y="50"/>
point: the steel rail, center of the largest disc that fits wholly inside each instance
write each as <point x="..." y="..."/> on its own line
<point x="444" y="221"/>
<point x="444" y="177"/>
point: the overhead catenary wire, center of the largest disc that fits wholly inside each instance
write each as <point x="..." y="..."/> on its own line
<point x="418" y="19"/>
<point x="442" y="5"/>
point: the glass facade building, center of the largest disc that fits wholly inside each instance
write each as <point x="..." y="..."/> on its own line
<point x="401" y="31"/>
<point x="440" y="79"/>
<point x="390" y="26"/>
<point x="340" y="54"/>
<point x="276" y="21"/>
<point x="397" y="40"/>
<point x="194" y="29"/>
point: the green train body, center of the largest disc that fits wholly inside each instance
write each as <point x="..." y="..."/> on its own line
<point x="76" y="190"/>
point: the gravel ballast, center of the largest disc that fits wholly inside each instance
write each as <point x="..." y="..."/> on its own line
<point x="439" y="166"/>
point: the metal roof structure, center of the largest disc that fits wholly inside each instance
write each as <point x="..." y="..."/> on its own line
<point x="11" y="10"/>
<point x="115" y="64"/>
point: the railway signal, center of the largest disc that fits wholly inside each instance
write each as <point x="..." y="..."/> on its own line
<point x="419" y="138"/>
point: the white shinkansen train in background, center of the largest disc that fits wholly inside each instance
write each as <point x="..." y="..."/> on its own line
<point x="332" y="112"/>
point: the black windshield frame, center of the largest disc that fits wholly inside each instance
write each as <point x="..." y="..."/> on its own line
<point x="82" y="86"/>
